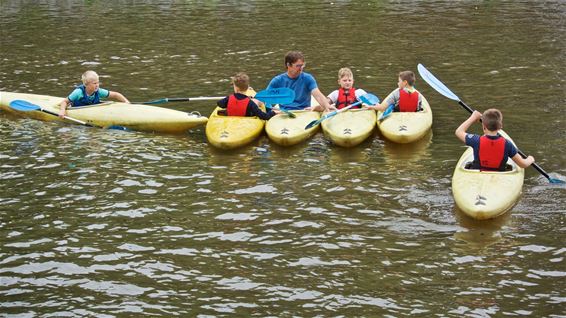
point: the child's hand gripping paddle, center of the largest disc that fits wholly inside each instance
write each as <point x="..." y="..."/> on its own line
<point x="368" y="99"/>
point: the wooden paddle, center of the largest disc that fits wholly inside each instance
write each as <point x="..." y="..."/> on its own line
<point x="445" y="91"/>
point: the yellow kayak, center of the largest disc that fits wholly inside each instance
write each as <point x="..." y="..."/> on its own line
<point x="132" y="116"/>
<point x="229" y="132"/>
<point x="351" y="127"/>
<point x="486" y="194"/>
<point x="287" y="131"/>
<point x="406" y="127"/>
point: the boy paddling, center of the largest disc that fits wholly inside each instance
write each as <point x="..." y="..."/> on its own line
<point x="491" y="150"/>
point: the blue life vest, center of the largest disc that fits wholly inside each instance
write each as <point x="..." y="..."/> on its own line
<point x="84" y="101"/>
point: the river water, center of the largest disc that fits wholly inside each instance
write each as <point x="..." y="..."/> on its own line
<point x="111" y="223"/>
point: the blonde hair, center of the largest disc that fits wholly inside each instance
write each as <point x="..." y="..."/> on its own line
<point x="345" y="72"/>
<point x="88" y="76"/>
<point x="492" y="119"/>
<point x="242" y="81"/>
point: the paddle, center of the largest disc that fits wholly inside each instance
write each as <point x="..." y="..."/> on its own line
<point x="177" y="99"/>
<point x="281" y="95"/>
<point x="368" y="98"/>
<point x="387" y="112"/>
<point x="442" y="89"/>
<point x="25" y="106"/>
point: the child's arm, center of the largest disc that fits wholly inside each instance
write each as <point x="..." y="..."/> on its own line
<point x="523" y="162"/>
<point x="256" y="111"/>
<point x="461" y="130"/>
<point x="223" y="103"/>
<point x="63" y="107"/>
<point x="117" y="96"/>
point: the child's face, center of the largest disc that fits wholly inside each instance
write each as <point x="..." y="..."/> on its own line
<point x="346" y="82"/>
<point x="92" y="85"/>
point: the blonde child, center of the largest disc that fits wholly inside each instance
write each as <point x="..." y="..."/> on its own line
<point x="89" y="93"/>
<point x="346" y="94"/>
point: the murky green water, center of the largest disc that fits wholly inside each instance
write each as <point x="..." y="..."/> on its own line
<point x="112" y="223"/>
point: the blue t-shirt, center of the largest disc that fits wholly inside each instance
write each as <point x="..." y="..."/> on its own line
<point x="303" y="86"/>
<point x="473" y="141"/>
<point x="77" y="94"/>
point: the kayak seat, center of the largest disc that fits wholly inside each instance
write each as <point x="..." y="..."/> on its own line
<point x="468" y="166"/>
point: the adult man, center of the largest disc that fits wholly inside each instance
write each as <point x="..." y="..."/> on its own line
<point x="302" y="83"/>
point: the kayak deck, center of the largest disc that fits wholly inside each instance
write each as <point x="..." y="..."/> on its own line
<point x="351" y="127"/>
<point x="132" y="116"/>
<point x="407" y="127"/>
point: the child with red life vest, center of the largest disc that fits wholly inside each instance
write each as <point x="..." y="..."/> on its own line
<point x="89" y="93"/>
<point x="346" y="94"/>
<point x="490" y="150"/>
<point x="405" y="98"/>
<point x="239" y="104"/>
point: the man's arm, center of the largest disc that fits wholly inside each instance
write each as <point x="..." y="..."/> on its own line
<point x="322" y="101"/>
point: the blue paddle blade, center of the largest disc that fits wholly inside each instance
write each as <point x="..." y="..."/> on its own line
<point x="282" y="95"/>
<point x="387" y="112"/>
<point x="369" y="99"/>
<point x="23" y="106"/>
<point x="555" y="181"/>
<point x="436" y="83"/>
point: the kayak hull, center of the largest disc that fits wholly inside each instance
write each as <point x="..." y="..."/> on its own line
<point x="406" y="127"/>
<point x="486" y="195"/>
<point x="132" y="116"/>
<point x="230" y="132"/>
<point x="287" y="131"/>
<point x="351" y="127"/>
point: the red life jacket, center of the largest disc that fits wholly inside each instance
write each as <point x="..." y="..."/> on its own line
<point x="491" y="153"/>
<point x="408" y="102"/>
<point x="237" y="107"/>
<point x="345" y="99"/>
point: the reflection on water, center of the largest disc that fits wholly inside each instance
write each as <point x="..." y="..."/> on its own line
<point x="112" y="223"/>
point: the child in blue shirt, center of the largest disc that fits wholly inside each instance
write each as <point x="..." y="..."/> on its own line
<point x="490" y="150"/>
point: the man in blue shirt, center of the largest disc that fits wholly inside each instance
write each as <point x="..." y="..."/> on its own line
<point x="302" y="83"/>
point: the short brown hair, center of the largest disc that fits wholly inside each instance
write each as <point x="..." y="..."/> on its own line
<point x="492" y="119"/>
<point x="242" y="81"/>
<point x="292" y="57"/>
<point x="408" y="76"/>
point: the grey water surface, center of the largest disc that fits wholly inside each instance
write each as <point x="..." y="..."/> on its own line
<point x="110" y="223"/>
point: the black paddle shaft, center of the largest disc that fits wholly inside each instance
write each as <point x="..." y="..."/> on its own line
<point x="536" y="166"/>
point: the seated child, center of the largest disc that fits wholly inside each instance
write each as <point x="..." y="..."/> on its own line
<point x="239" y="104"/>
<point x="405" y="98"/>
<point x="88" y="93"/>
<point x="491" y="150"/>
<point x="346" y="94"/>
